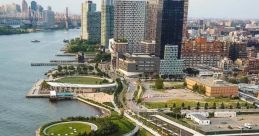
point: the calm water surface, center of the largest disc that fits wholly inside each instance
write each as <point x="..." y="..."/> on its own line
<point x="20" y="116"/>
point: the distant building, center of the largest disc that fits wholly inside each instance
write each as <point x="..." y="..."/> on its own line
<point x="90" y="22"/>
<point x="200" y="51"/>
<point x="147" y="47"/>
<point x="129" y="22"/>
<point x="107" y="22"/>
<point x="151" y="20"/>
<point x="25" y="7"/>
<point x="252" y="66"/>
<point x="48" y="18"/>
<point x="11" y="8"/>
<point x="171" y="65"/>
<point x="226" y="64"/>
<point x="34" y="6"/>
<point x="171" y="25"/>
<point x="214" y="87"/>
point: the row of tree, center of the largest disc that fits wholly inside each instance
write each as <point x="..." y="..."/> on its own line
<point x="214" y="106"/>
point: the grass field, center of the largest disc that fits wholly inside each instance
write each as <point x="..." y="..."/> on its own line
<point x="175" y="85"/>
<point x="80" y="80"/>
<point x="71" y="129"/>
<point x="178" y="102"/>
<point x="124" y="126"/>
<point x="143" y="132"/>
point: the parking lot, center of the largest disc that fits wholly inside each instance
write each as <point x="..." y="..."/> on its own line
<point x="232" y="124"/>
<point x="152" y="95"/>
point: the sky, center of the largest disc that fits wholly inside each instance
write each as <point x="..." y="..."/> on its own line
<point x="240" y="9"/>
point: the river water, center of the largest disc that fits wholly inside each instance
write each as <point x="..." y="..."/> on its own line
<point x="20" y="116"/>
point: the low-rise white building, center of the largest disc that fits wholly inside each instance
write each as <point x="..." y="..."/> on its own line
<point x="225" y="114"/>
<point x="205" y="114"/>
<point x="201" y="120"/>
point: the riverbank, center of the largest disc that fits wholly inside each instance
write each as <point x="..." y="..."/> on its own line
<point x="6" y="30"/>
<point x="18" y="112"/>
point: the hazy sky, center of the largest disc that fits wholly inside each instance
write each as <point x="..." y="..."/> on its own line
<point x="197" y="8"/>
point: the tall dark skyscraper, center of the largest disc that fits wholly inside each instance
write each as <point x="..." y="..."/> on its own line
<point x="171" y="24"/>
<point x="34" y="6"/>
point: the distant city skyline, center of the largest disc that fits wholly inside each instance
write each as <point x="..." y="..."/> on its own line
<point x="240" y="9"/>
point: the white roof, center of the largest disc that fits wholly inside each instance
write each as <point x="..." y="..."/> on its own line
<point x="129" y="73"/>
<point x="53" y="93"/>
<point x="56" y="84"/>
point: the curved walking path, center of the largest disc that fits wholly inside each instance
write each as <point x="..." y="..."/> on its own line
<point x="93" y="126"/>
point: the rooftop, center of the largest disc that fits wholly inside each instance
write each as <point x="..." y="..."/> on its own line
<point x="199" y="116"/>
<point x="210" y="81"/>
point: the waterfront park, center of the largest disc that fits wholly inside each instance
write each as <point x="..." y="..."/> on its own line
<point x="110" y="123"/>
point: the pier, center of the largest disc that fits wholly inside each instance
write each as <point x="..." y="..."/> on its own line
<point x="34" y="92"/>
<point x="66" y="55"/>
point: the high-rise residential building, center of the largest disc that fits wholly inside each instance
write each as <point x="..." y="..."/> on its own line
<point x="25" y="8"/>
<point x="48" y="18"/>
<point x="34" y="6"/>
<point x="107" y="22"/>
<point x="40" y="8"/>
<point x="151" y="20"/>
<point x="171" y="24"/>
<point x="129" y="22"/>
<point x="90" y="22"/>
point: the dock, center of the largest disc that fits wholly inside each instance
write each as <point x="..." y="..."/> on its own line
<point x="55" y="64"/>
<point x="66" y="55"/>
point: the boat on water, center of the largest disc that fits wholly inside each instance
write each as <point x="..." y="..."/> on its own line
<point x="66" y="41"/>
<point x="35" y="41"/>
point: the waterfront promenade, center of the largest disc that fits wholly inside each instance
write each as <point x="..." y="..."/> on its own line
<point x="34" y="92"/>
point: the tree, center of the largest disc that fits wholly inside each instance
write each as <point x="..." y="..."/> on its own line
<point x="174" y="105"/>
<point x="159" y="83"/>
<point x="189" y="107"/>
<point x="254" y="105"/>
<point x="184" y="84"/>
<point x="198" y="106"/>
<point x="59" y="68"/>
<point x="238" y="105"/>
<point x="71" y="68"/>
<point x="183" y="105"/>
<point x="91" y="68"/>
<point x="191" y="71"/>
<point x="222" y="106"/>
<point x="214" y="106"/>
<point x="244" y="80"/>
<point x="195" y="88"/>
<point x="206" y="106"/>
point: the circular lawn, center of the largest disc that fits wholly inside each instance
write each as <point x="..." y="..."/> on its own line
<point x="69" y="128"/>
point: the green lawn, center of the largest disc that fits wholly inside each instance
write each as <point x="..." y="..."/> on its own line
<point x="68" y="128"/>
<point x="81" y="80"/>
<point x="124" y="126"/>
<point x="227" y="102"/>
<point x="177" y="85"/>
<point x="143" y="132"/>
